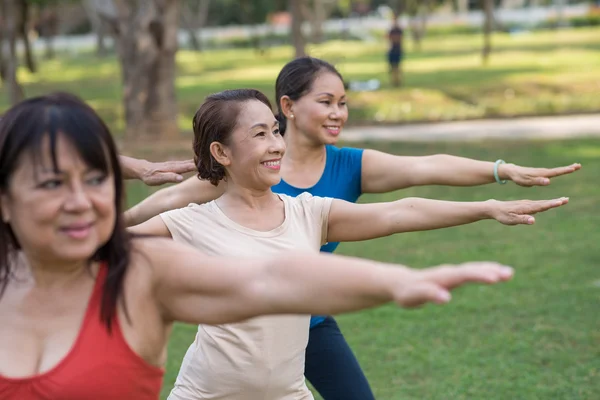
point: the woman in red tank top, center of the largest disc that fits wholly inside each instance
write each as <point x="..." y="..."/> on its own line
<point x="86" y="310"/>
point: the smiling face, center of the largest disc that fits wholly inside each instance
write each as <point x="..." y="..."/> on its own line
<point x="321" y="113"/>
<point x="61" y="215"/>
<point x="253" y="155"/>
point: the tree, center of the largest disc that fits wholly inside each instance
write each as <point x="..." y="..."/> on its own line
<point x="318" y="14"/>
<point x="194" y="17"/>
<point x="418" y="12"/>
<point x="298" y="17"/>
<point x="10" y="12"/>
<point x="23" y="29"/>
<point x="145" y="34"/>
<point x="98" y="27"/>
<point x="488" y="23"/>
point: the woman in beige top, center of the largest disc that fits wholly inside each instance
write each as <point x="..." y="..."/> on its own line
<point x="62" y="237"/>
<point x="236" y="138"/>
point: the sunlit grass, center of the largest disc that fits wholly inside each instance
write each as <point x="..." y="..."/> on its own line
<point x="537" y="337"/>
<point x="534" y="73"/>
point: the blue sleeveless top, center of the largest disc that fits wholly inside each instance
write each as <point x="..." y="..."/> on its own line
<point x="341" y="179"/>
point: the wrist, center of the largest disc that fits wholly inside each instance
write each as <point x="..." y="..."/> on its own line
<point x="505" y="171"/>
<point x="140" y="169"/>
<point x="489" y="208"/>
<point x="133" y="168"/>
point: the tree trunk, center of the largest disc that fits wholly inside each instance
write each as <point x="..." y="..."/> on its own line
<point x="98" y="27"/>
<point x="145" y="34"/>
<point x="49" y="28"/>
<point x="462" y="6"/>
<point x="200" y="17"/>
<point x="418" y="22"/>
<point x="488" y="10"/>
<point x="23" y="21"/>
<point x="9" y="10"/>
<point x="298" y="39"/>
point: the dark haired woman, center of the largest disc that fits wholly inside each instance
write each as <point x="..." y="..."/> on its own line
<point x="86" y="311"/>
<point x="312" y="111"/>
<point x="237" y="139"/>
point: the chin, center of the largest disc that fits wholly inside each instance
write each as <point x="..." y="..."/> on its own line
<point x="330" y="139"/>
<point x="78" y="252"/>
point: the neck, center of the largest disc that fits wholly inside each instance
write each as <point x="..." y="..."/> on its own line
<point x="239" y="196"/>
<point x="300" y="150"/>
<point x="47" y="273"/>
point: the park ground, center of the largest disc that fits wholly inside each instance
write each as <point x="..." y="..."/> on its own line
<point x="537" y="337"/>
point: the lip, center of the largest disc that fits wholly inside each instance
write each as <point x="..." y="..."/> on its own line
<point x="272" y="167"/>
<point x="334" y="130"/>
<point x="78" y="230"/>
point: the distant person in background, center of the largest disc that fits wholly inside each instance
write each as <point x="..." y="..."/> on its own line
<point x="395" y="52"/>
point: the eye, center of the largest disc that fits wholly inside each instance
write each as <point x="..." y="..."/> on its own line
<point x="277" y="132"/>
<point x="325" y="102"/>
<point x="343" y="103"/>
<point x="261" y="134"/>
<point x="96" y="179"/>
<point x="50" y="184"/>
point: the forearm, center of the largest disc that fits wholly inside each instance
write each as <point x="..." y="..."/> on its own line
<point x="132" y="167"/>
<point x="443" y="169"/>
<point x="417" y="214"/>
<point x="160" y="201"/>
<point x="311" y="284"/>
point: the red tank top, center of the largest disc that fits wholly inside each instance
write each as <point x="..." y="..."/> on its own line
<point x="99" y="366"/>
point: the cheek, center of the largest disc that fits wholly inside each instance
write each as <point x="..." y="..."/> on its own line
<point x="35" y="222"/>
<point x="106" y="214"/>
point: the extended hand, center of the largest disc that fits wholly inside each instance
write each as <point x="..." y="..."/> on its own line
<point x="159" y="173"/>
<point x="521" y="211"/>
<point x="434" y="284"/>
<point x="524" y="176"/>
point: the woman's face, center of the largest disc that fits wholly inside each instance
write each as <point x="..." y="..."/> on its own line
<point x="255" y="148"/>
<point x="322" y="112"/>
<point x="59" y="216"/>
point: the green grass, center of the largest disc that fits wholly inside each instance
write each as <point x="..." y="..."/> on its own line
<point x="537" y="337"/>
<point x="539" y="73"/>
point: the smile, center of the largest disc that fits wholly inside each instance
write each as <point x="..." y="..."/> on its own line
<point x="79" y="231"/>
<point x="333" y="129"/>
<point x="272" y="164"/>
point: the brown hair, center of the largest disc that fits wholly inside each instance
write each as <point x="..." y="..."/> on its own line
<point x="22" y="130"/>
<point x="215" y="121"/>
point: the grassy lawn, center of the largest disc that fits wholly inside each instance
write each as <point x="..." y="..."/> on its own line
<point x="538" y="73"/>
<point x="537" y="337"/>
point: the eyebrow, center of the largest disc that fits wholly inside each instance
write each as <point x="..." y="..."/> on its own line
<point x="264" y="126"/>
<point x="329" y="94"/>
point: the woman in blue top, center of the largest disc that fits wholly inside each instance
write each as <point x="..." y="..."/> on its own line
<point x="312" y="112"/>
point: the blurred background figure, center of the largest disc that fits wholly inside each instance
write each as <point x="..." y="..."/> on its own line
<point x="395" y="52"/>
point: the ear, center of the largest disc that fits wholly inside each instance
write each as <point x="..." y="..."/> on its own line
<point x="220" y="153"/>
<point x="286" y="106"/>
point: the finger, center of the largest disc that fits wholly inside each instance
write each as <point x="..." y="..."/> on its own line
<point x="419" y="293"/>
<point x="160" y="178"/>
<point x="479" y="272"/>
<point x="178" y="167"/>
<point x="544" y="205"/>
<point x="524" y="220"/>
<point x="553" y="172"/>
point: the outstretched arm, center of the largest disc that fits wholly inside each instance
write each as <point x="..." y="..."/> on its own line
<point x="155" y="173"/>
<point x="351" y="222"/>
<point x="195" y="288"/>
<point x="192" y="190"/>
<point x="382" y="172"/>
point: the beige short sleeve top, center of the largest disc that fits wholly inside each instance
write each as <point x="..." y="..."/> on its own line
<point x="261" y="358"/>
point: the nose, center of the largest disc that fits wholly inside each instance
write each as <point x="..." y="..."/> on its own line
<point x="77" y="200"/>
<point x="335" y="112"/>
<point x="277" y="145"/>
